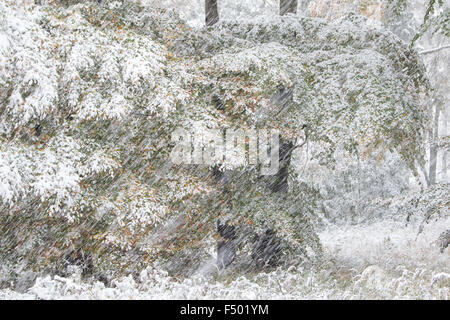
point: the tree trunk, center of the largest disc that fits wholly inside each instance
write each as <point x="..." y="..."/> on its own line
<point x="303" y="7"/>
<point x="279" y="182"/>
<point x="434" y="147"/>
<point x="444" y="117"/>
<point x="288" y="6"/>
<point x="266" y="251"/>
<point x="226" y="247"/>
<point x="211" y="12"/>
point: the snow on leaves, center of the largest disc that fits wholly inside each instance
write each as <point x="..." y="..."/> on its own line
<point x="90" y="95"/>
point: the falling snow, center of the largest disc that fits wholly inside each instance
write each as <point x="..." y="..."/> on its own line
<point x="93" y="207"/>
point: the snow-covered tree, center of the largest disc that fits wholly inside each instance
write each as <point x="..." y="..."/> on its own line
<point x="91" y="94"/>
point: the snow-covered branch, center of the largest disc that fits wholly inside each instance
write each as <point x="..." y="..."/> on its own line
<point x="435" y="49"/>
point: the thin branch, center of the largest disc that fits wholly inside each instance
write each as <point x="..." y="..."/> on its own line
<point x="304" y="142"/>
<point x="435" y="49"/>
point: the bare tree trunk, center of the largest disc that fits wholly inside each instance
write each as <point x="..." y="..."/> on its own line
<point x="304" y="7"/>
<point x="211" y="12"/>
<point x="425" y="175"/>
<point x="444" y="166"/>
<point x="444" y="117"/>
<point x="288" y="6"/>
<point x="434" y="146"/>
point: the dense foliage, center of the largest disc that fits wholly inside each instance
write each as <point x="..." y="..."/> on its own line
<point x="90" y="95"/>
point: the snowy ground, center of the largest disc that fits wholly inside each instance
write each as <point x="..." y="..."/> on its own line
<point x="379" y="261"/>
